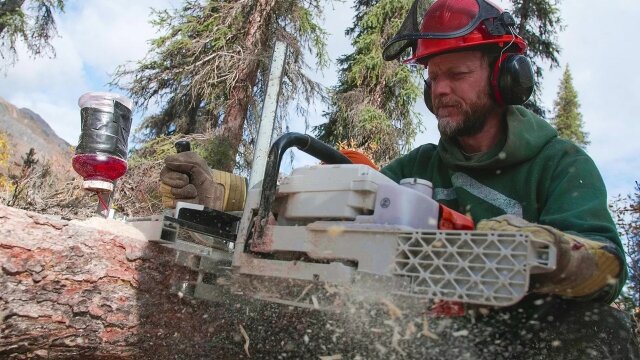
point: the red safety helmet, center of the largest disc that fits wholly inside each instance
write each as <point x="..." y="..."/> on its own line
<point x="453" y="25"/>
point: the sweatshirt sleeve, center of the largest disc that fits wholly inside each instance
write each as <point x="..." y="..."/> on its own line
<point x="575" y="202"/>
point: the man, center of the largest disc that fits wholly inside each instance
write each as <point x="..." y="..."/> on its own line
<point x="507" y="169"/>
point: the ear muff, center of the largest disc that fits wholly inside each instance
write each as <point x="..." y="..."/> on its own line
<point x="427" y="94"/>
<point x="512" y="80"/>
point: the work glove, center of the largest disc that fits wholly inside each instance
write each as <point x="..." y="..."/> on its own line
<point x="186" y="177"/>
<point x="583" y="267"/>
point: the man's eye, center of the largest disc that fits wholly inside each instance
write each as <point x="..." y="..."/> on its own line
<point x="459" y="74"/>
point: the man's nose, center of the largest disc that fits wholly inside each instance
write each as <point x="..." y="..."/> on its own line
<point x="440" y="87"/>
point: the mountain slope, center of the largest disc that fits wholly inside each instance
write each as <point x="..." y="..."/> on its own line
<point x="26" y="129"/>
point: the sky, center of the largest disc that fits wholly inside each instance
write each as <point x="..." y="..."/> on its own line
<point x="95" y="36"/>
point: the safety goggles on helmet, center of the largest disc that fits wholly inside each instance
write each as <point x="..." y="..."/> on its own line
<point x="450" y="25"/>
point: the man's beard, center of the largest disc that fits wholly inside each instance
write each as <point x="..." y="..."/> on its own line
<point x="474" y="116"/>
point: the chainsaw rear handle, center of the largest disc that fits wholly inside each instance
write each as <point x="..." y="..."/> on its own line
<point x="304" y="143"/>
<point x="182" y="146"/>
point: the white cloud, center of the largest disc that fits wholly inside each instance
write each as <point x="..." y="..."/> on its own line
<point x="110" y="33"/>
<point x="49" y="87"/>
<point x="596" y="45"/>
<point x="95" y="37"/>
<point x="43" y="74"/>
<point x="62" y="114"/>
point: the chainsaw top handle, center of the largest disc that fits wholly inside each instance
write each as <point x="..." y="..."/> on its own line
<point x="304" y="143"/>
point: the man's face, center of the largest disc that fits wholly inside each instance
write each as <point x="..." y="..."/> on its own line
<point x="460" y="92"/>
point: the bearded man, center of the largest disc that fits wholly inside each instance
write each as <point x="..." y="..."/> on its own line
<point x="507" y="169"/>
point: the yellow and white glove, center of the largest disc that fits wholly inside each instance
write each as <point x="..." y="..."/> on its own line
<point x="186" y="177"/>
<point x="583" y="267"/>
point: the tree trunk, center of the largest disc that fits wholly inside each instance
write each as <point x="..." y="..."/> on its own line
<point x="241" y="92"/>
<point x="76" y="290"/>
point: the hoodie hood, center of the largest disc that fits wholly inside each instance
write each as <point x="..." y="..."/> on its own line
<point x="526" y="135"/>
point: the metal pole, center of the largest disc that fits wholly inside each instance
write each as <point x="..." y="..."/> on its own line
<point x="268" y="116"/>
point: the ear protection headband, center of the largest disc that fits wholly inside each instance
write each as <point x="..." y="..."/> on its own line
<point x="511" y="80"/>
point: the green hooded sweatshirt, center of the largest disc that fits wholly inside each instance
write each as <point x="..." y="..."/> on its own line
<point x="530" y="173"/>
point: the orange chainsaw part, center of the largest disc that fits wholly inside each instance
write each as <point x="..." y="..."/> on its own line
<point x="357" y="157"/>
<point x="447" y="309"/>
<point x="453" y="220"/>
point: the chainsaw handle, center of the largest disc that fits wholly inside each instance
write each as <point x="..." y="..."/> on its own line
<point x="323" y="152"/>
<point x="304" y="143"/>
<point x="182" y="146"/>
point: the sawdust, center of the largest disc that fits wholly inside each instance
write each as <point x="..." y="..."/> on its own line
<point x="460" y="333"/>
<point x="425" y="329"/>
<point x="394" y="311"/>
<point x="304" y="292"/>
<point x="395" y="337"/>
<point x="246" y="340"/>
<point x="112" y="226"/>
<point x="411" y="329"/>
<point x="334" y="231"/>
<point x="484" y="311"/>
<point x="330" y="289"/>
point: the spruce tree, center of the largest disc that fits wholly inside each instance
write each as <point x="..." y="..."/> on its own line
<point x="568" y="119"/>
<point x="30" y="22"/>
<point x="209" y="68"/>
<point x="371" y="108"/>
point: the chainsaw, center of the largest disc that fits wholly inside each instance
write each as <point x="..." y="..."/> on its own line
<point x="331" y="233"/>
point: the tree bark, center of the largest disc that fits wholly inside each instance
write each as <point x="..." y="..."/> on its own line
<point x="241" y="92"/>
<point x="77" y="290"/>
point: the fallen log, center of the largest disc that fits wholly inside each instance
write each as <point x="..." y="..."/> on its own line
<point x="97" y="290"/>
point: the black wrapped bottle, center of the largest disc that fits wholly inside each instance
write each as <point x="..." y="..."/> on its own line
<point x="101" y="153"/>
